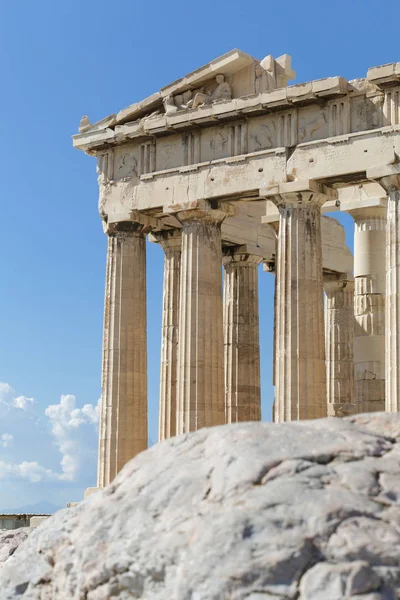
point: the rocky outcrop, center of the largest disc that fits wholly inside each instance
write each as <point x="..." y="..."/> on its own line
<point x="309" y="510"/>
<point x="10" y="540"/>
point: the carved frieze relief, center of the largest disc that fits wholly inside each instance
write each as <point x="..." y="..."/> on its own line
<point x="219" y="143"/>
<point x="262" y="133"/>
<point x="312" y="124"/>
<point x="282" y="129"/>
<point x="126" y="166"/>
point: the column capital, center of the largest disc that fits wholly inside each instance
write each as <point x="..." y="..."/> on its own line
<point x="124" y="229"/>
<point x="138" y="223"/>
<point x="240" y="256"/>
<point x="169" y="239"/>
<point x="201" y="210"/>
<point x="364" y="205"/>
<point x="388" y="176"/>
<point x="302" y="192"/>
<point x="390" y="183"/>
<point x="368" y="212"/>
<point x="135" y="222"/>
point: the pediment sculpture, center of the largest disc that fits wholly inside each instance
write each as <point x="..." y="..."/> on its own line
<point x="199" y="97"/>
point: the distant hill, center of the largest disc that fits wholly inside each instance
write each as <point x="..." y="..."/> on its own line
<point x="40" y="508"/>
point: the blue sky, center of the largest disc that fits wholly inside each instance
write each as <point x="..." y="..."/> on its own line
<point x="60" y="60"/>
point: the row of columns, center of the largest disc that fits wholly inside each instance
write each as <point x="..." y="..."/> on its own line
<point x="210" y="351"/>
<point x="375" y="302"/>
<point x="210" y="356"/>
<point x="210" y="361"/>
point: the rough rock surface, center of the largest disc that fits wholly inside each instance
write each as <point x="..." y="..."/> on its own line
<point x="10" y="540"/>
<point x="308" y="510"/>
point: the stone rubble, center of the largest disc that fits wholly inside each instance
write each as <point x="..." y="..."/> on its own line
<point x="307" y="511"/>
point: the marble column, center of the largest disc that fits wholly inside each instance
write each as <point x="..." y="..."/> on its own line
<point x="369" y="305"/>
<point x="300" y="373"/>
<point x="392" y="186"/>
<point x="200" y="399"/>
<point x="123" y="418"/>
<point x="339" y="339"/>
<point x="241" y="336"/>
<point x="171" y="243"/>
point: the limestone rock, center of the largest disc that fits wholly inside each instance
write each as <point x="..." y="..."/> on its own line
<point x="10" y="540"/>
<point x="307" y="510"/>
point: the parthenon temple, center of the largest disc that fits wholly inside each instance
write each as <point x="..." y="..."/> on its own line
<point x="227" y="168"/>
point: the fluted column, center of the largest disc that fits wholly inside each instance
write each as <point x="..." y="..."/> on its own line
<point x="369" y="306"/>
<point x="123" y="419"/>
<point x="241" y="336"/>
<point x="392" y="186"/>
<point x="339" y="338"/>
<point x="300" y="373"/>
<point x="200" y="400"/>
<point x="171" y="243"/>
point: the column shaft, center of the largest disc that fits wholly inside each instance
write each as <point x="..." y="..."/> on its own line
<point x="171" y="242"/>
<point x="340" y="347"/>
<point x="393" y="297"/>
<point x="369" y="308"/>
<point x="241" y="337"/>
<point x="201" y="342"/>
<point x="123" y="420"/>
<point x="300" y="354"/>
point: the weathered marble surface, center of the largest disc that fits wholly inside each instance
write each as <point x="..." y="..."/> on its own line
<point x="307" y="510"/>
<point x="10" y="540"/>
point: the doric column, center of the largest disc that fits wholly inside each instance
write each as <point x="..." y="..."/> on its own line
<point x="339" y="339"/>
<point x="200" y="400"/>
<point x="171" y="243"/>
<point x="300" y="373"/>
<point x="241" y="336"/>
<point x="392" y="186"/>
<point x="369" y="303"/>
<point x="123" y="418"/>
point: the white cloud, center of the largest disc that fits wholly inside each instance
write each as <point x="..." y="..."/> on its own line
<point x="72" y="430"/>
<point x="27" y="470"/>
<point x="5" y="392"/>
<point x="65" y="421"/>
<point x="6" y="440"/>
<point x="10" y="400"/>
<point x="23" y="402"/>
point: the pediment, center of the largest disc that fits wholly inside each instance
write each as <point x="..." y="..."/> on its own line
<point x="232" y="75"/>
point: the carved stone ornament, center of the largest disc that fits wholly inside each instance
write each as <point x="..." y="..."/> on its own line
<point x="84" y="124"/>
<point x="196" y="98"/>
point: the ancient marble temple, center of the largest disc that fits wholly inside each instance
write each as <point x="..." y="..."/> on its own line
<point x="227" y="168"/>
